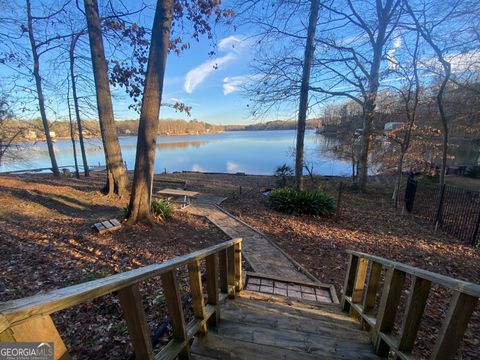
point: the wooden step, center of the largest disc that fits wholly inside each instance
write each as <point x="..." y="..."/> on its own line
<point x="273" y="285"/>
<point x="258" y="329"/>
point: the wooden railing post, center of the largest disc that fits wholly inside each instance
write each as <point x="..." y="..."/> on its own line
<point x="134" y="314"/>
<point x="417" y="299"/>
<point x="231" y="271"/>
<point x="238" y="267"/>
<point x="175" y="310"/>
<point x="223" y="268"/>
<point x="387" y="310"/>
<point x="198" y="304"/>
<point x="37" y="329"/>
<point x="349" y="281"/>
<point x="359" y="285"/>
<point x="372" y="287"/>
<point x="454" y="326"/>
<point x="212" y="288"/>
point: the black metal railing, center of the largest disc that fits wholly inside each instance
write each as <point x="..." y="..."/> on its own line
<point x="453" y="209"/>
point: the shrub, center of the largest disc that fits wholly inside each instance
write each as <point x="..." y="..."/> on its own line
<point x="162" y="209"/>
<point x="473" y="172"/>
<point x="302" y="202"/>
<point x="282" y="173"/>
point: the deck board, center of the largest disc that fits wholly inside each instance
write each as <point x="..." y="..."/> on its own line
<point x="264" y="330"/>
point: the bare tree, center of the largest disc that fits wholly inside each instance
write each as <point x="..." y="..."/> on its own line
<point x="117" y="177"/>
<point x="72" y="131"/>
<point x="36" y="52"/>
<point x="447" y="35"/>
<point x="409" y="94"/>
<point x="304" y="89"/>
<point x="71" y="53"/>
<point x="351" y="64"/>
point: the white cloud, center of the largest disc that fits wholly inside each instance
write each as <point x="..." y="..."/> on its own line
<point x="197" y="75"/>
<point x="232" y="167"/>
<point x="397" y="43"/>
<point x="232" y="84"/>
<point x="231" y="43"/>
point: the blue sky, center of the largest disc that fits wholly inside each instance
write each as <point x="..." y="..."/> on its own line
<point x="210" y="84"/>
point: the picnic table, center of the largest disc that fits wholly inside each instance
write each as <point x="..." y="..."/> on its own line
<point x="185" y="196"/>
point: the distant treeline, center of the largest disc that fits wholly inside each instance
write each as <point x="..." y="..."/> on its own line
<point x="273" y="125"/>
<point x="32" y="130"/>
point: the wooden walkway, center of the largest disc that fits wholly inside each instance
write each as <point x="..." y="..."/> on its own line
<point x="262" y="255"/>
<point x="254" y="326"/>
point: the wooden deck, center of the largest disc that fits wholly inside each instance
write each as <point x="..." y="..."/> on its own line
<point x="258" y="326"/>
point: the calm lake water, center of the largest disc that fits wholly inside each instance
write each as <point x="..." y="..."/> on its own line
<point x="252" y="152"/>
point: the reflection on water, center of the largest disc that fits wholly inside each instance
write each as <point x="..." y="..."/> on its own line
<point x="181" y="145"/>
<point x="252" y="152"/>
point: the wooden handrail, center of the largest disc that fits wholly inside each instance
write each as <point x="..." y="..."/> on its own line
<point x="28" y="319"/>
<point x="449" y="282"/>
<point x="360" y="292"/>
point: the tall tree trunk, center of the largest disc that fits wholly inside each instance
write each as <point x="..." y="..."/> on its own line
<point x="369" y="115"/>
<point x="140" y="199"/>
<point x="86" y="170"/>
<point x="116" y="174"/>
<point x="398" y="180"/>
<point x="41" y="99"/>
<point x="443" y="120"/>
<point x="303" y="105"/>
<point x="72" y="135"/>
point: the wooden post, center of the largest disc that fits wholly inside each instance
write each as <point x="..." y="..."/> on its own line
<point x="372" y="287"/>
<point x="417" y="300"/>
<point x="223" y="269"/>
<point x="349" y="280"/>
<point x="454" y="326"/>
<point x="212" y="288"/>
<point x="231" y="271"/>
<point x="238" y="267"/>
<point x="134" y="314"/>
<point x="175" y="311"/>
<point x="37" y="329"/>
<point x="359" y="284"/>
<point x="387" y="310"/>
<point x="195" y="280"/>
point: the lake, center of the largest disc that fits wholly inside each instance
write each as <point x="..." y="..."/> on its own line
<point x="252" y="152"/>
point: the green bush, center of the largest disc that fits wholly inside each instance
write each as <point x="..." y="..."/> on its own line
<point x="473" y="172"/>
<point x="302" y="202"/>
<point x="162" y="209"/>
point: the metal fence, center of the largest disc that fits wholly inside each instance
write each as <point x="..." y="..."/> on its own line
<point x="453" y="209"/>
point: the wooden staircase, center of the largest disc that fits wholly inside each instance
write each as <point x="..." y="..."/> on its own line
<point x="231" y="322"/>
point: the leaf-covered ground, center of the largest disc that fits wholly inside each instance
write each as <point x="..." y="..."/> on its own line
<point x="370" y="225"/>
<point x="46" y="242"/>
